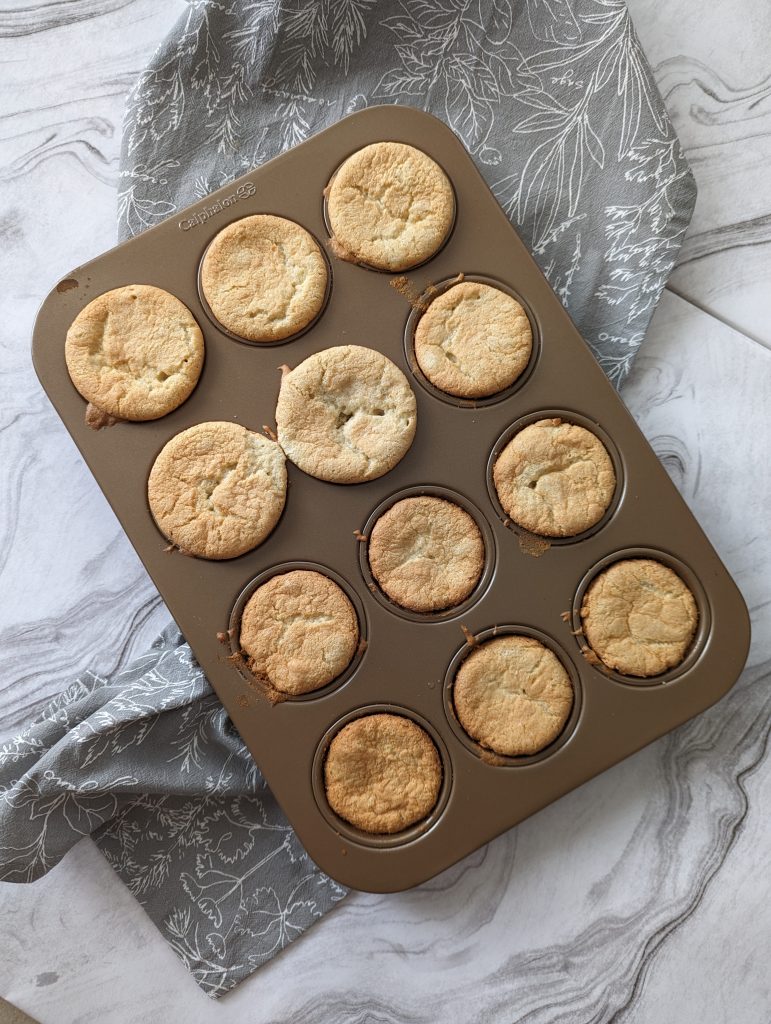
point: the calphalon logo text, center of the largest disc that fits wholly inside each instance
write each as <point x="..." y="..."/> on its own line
<point x="242" y="192"/>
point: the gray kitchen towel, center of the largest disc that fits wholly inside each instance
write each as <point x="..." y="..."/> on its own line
<point x="148" y="764"/>
<point x="555" y="101"/>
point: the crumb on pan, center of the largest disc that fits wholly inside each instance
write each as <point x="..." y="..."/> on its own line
<point x="97" y="418"/>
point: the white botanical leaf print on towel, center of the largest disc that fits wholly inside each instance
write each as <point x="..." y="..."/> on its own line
<point x="457" y="58"/>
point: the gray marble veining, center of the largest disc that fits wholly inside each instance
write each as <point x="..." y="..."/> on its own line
<point x="714" y="75"/>
<point x="643" y="896"/>
<point x="73" y="590"/>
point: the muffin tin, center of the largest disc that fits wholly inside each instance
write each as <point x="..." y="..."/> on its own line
<point x="407" y="662"/>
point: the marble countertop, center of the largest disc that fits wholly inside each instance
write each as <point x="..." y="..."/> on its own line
<point x="644" y="896"/>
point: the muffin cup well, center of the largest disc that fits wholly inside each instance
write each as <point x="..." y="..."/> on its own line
<point x="488" y="539"/>
<point x="248" y="341"/>
<point x="485" y="754"/>
<point x="568" y="417"/>
<point x="170" y="544"/>
<point x="356" y="835"/>
<point x="369" y="266"/>
<point x="234" y="628"/>
<point x="420" y="306"/>
<point x="703" y="627"/>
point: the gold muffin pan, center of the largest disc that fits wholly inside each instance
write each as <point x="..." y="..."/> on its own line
<point x="406" y="662"/>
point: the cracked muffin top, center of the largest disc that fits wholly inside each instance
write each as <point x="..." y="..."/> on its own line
<point x="555" y="479"/>
<point x="216" y="490"/>
<point x="426" y="553"/>
<point x="513" y="695"/>
<point x="299" y="631"/>
<point x="346" y="414"/>
<point x="473" y="340"/>
<point x="264" y="278"/>
<point x="389" y="206"/>
<point x="382" y="773"/>
<point x="135" y="352"/>
<point x="639" y="617"/>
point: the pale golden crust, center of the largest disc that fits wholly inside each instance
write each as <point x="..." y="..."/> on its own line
<point x="382" y="773"/>
<point x="473" y="340"/>
<point x="513" y="695"/>
<point x="299" y="631"/>
<point x="555" y="479"/>
<point x="346" y="414"/>
<point x="639" y="617"/>
<point x="264" y="278"/>
<point x="135" y="352"/>
<point x="426" y="553"/>
<point x="390" y="206"/>
<point x="217" y="489"/>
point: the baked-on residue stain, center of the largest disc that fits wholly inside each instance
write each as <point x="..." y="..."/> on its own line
<point x="471" y="640"/>
<point x="67" y="285"/>
<point x="532" y="544"/>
